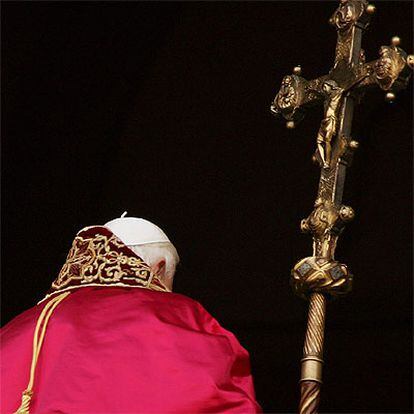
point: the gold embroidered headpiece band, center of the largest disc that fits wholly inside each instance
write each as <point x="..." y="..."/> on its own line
<point x="99" y="258"/>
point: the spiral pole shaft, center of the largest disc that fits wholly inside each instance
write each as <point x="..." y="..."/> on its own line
<point x="311" y="374"/>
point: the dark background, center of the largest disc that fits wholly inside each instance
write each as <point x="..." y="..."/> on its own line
<point x="162" y="109"/>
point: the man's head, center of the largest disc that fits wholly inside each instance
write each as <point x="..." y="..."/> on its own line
<point x="150" y="243"/>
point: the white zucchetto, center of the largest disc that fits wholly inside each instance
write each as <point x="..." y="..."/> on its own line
<point x="134" y="231"/>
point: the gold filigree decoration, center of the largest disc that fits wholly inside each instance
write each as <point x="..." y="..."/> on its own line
<point x="321" y="220"/>
<point x="325" y="224"/>
<point x="287" y="101"/>
<point x="347" y="14"/>
<point x="344" y="19"/>
<point x="98" y="258"/>
<point x="94" y="260"/>
<point x="388" y="67"/>
<point x="287" y="95"/>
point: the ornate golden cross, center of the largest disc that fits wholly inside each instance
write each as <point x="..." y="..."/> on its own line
<point x="320" y="276"/>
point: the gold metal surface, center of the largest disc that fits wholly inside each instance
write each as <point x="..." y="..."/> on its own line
<point x="395" y="41"/>
<point x="339" y="91"/>
<point x="310" y="394"/>
<point x="390" y="97"/>
<point x="354" y="144"/>
<point x="297" y="70"/>
<point x="410" y="61"/>
<point x="389" y="66"/>
<point x="320" y="276"/>
<point x="317" y="274"/>
<point x="313" y="346"/>
<point x="311" y="369"/>
<point x="371" y="9"/>
<point x="327" y="130"/>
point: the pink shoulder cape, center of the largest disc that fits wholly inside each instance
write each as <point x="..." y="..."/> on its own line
<point x="125" y="350"/>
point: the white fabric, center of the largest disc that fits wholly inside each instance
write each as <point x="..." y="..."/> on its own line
<point x="134" y="231"/>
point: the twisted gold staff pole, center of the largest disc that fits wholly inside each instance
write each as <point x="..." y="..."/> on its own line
<point x="312" y="360"/>
<point x="320" y="276"/>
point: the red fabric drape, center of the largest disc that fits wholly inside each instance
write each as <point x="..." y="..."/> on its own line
<point x="127" y="350"/>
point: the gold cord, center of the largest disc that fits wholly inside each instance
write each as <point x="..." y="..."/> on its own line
<point x="41" y="326"/>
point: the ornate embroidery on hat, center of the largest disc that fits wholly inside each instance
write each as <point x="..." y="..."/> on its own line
<point x="99" y="258"/>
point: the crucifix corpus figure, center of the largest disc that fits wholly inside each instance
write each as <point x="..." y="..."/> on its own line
<point x="320" y="276"/>
<point x="333" y="99"/>
<point x="329" y="124"/>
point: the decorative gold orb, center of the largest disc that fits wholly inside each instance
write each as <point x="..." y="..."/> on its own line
<point x="346" y="213"/>
<point x="297" y="70"/>
<point x="370" y="9"/>
<point x="354" y="144"/>
<point x="290" y="125"/>
<point x="304" y="226"/>
<point x="395" y="41"/>
<point x="390" y="97"/>
<point x="410" y="61"/>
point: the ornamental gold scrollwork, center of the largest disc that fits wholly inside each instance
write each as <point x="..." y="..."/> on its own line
<point x="347" y="14"/>
<point x="321" y="273"/>
<point x="100" y="259"/>
<point x="392" y="70"/>
<point x="321" y="220"/>
<point x="389" y="66"/>
<point x="339" y="91"/>
<point x="290" y="97"/>
<point x="325" y="221"/>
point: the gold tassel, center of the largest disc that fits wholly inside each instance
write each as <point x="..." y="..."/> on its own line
<point x="41" y="326"/>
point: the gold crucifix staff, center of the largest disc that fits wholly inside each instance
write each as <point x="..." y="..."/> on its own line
<point x="320" y="276"/>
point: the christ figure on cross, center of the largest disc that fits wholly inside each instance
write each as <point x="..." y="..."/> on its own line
<point x="329" y="124"/>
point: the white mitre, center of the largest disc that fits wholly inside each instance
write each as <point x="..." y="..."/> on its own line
<point x="134" y="231"/>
